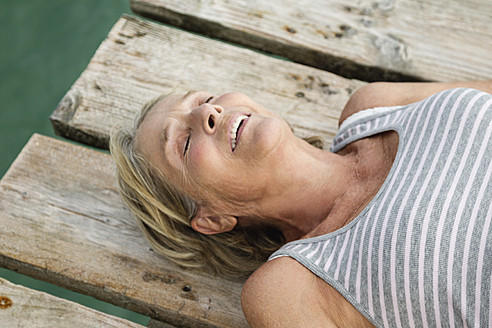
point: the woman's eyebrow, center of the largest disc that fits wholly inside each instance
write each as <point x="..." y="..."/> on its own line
<point x="186" y="96"/>
<point x="164" y="140"/>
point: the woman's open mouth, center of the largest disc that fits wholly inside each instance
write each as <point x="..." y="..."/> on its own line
<point x="236" y="130"/>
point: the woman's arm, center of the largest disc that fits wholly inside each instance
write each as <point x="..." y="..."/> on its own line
<point x="385" y="94"/>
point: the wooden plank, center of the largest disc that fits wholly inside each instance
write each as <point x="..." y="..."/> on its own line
<point x="366" y="39"/>
<point x="62" y="220"/>
<point x="24" y="307"/>
<point x="140" y="60"/>
<point x="158" y="324"/>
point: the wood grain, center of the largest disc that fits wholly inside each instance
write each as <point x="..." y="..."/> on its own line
<point x="63" y="221"/>
<point x="24" y="307"/>
<point x="367" y="39"/>
<point x="140" y="60"/>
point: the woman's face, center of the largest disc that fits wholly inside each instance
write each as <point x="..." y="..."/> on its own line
<point x="220" y="150"/>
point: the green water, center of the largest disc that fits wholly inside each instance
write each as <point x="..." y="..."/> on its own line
<point x="44" y="46"/>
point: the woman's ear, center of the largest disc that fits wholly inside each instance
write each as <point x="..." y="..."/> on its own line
<point x="212" y="224"/>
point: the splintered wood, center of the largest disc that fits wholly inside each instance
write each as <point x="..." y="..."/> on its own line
<point x="140" y="60"/>
<point x="63" y="221"/>
<point x="367" y="39"/>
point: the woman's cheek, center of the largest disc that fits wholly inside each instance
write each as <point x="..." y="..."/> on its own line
<point x="201" y="159"/>
<point x="195" y="155"/>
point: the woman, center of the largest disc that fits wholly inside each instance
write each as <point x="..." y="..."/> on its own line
<point x="388" y="229"/>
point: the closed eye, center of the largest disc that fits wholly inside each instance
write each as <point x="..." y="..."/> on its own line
<point x="187" y="144"/>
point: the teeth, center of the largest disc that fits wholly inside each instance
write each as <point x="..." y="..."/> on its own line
<point x="234" y="130"/>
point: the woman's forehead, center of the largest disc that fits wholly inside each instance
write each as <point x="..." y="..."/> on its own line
<point x="168" y="103"/>
<point x="154" y="132"/>
<point x="178" y="101"/>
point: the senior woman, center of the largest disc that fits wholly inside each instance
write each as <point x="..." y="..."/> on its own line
<point x="390" y="228"/>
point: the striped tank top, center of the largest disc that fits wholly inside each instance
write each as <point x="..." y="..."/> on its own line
<point x="420" y="254"/>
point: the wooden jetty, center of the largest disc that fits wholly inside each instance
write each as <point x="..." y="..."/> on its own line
<point x="61" y="217"/>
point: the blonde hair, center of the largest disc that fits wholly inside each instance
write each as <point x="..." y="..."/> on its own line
<point x="164" y="215"/>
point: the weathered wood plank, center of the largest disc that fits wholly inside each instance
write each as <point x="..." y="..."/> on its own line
<point x="366" y="39"/>
<point x="158" y="324"/>
<point x="63" y="221"/>
<point x="24" y="307"/>
<point x="140" y="60"/>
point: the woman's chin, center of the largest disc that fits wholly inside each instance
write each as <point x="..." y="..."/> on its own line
<point x="266" y="136"/>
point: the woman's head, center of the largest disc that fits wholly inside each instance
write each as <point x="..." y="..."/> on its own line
<point x="191" y="166"/>
<point x="182" y="169"/>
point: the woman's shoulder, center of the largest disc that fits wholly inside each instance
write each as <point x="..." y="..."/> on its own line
<point x="381" y="94"/>
<point x="362" y="99"/>
<point x="275" y="294"/>
<point x="387" y="94"/>
<point x="267" y="275"/>
<point x="282" y="292"/>
<point x="274" y="279"/>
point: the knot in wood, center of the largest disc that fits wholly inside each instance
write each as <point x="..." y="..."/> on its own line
<point x="392" y="51"/>
<point x="5" y="302"/>
<point x="290" y="29"/>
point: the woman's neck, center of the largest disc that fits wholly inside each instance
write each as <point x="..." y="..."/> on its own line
<point x="309" y="187"/>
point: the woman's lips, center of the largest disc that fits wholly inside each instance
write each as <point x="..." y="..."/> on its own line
<point x="236" y="129"/>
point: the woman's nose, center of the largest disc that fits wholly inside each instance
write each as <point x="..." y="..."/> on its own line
<point x="208" y="116"/>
